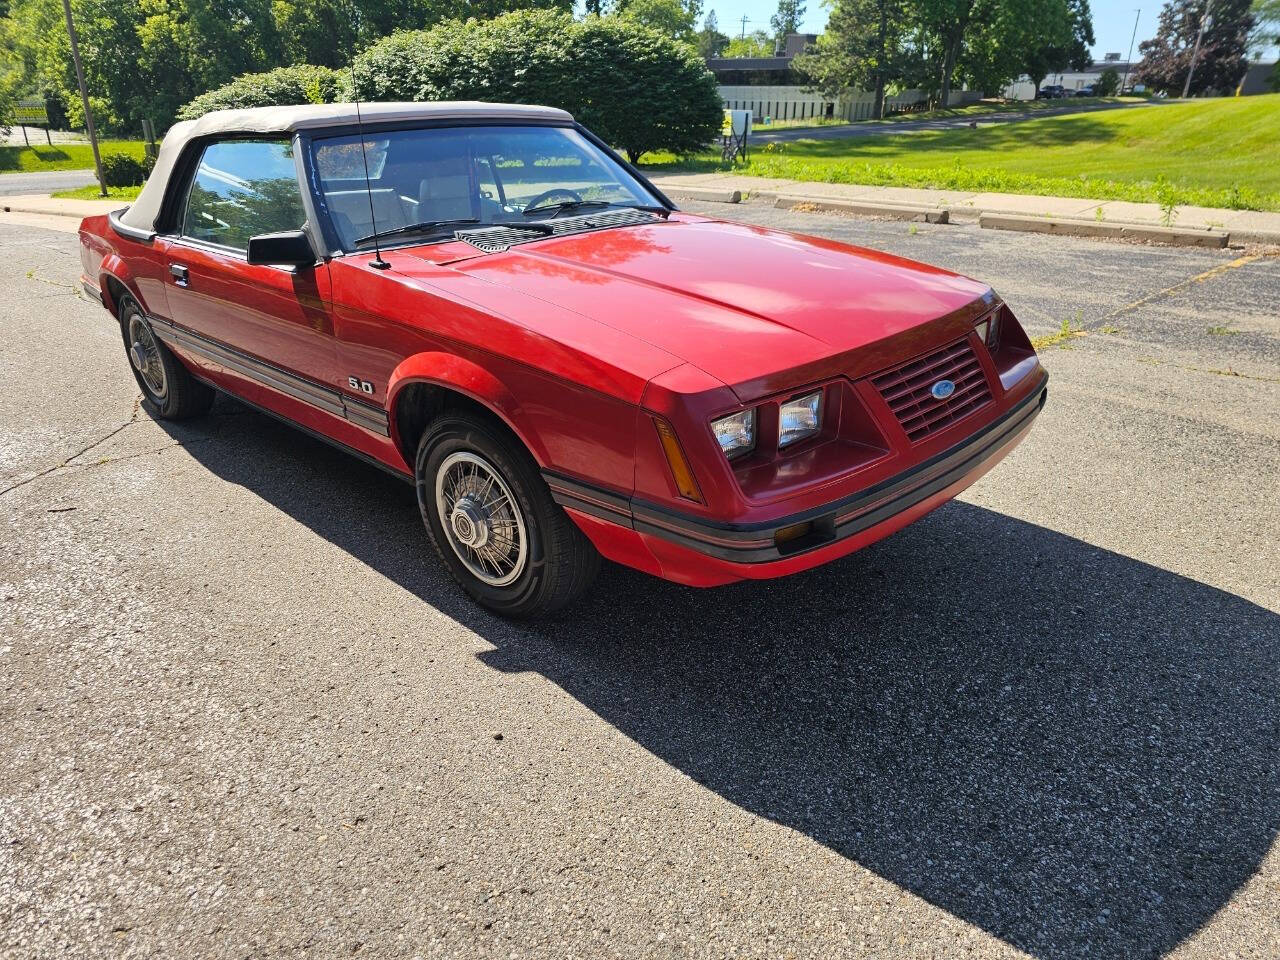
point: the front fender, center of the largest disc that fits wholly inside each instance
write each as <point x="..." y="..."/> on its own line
<point x="455" y="373"/>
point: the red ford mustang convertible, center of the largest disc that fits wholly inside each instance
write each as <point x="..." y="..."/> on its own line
<point x="488" y="302"/>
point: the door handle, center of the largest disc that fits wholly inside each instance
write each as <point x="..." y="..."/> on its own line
<point x="179" y="274"/>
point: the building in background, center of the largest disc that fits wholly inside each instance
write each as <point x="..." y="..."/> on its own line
<point x="771" y="89"/>
<point x="1255" y="79"/>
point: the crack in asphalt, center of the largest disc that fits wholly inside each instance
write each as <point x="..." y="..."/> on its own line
<point x="133" y="418"/>
<point x="70" y="464"/>
<point x="1228" y="372"/>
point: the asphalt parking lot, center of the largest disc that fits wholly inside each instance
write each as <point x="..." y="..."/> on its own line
<point x="246" y="714"/>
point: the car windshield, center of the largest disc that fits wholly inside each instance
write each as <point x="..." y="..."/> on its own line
<point x="432" y="181"/>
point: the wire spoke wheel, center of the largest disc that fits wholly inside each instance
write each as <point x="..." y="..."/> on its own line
<point x="144" y="354"/>
<point x="481" y="518"/>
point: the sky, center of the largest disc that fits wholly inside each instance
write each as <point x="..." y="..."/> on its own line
<point x="1112" y="20"/>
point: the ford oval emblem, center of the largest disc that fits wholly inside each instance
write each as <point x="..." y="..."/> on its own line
<point x="942" y="389"/>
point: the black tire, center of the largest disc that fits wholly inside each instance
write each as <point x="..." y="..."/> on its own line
<point x="559" y="562"/>
<point x="169" y="391"/>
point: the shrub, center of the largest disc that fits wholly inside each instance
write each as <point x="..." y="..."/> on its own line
<point x="302" y="83"/>
<point x="1107" y="84"/>
<point x="122" y="170"/>
<point x="635" y="87"/>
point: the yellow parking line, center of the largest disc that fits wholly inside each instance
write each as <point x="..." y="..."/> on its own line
<point x="1235" y="264"/>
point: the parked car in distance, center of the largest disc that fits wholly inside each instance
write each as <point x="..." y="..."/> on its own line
<point x="1085" y="91"/>
<point x="486" y="301"/>
<point x="1051" y="92"/>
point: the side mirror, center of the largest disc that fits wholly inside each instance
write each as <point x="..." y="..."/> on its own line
<point x="289" y="248"/>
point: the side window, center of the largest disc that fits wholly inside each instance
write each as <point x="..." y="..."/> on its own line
<point x="243" y="188"/>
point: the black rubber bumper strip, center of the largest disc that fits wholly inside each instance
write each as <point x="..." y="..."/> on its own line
<point x="362" y="414"/>
<point x="832" y="522"/>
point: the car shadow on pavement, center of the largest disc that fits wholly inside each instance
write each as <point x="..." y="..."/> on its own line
<point x="1076" y="751"/>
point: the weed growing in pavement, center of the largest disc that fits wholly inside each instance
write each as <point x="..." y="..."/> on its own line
<point x="1222" y="332"/>
<point x="913" y="230"/>
<point x="1065" y="333"/>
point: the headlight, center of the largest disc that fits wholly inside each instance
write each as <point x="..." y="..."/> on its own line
<point x="736" y="433"/>
<point x="800" y="418"/>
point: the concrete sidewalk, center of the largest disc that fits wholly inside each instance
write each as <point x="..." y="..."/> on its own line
<point x="1192" y="226"/>
<point x="996" y="210"/>
<point x="53" y="213"/>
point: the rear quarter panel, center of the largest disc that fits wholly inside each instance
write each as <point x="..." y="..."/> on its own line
<point x="136" y="264"/>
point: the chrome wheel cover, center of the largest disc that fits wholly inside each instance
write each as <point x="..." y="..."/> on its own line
<point x="144" y="354"/>
<point x="481" y="519"/>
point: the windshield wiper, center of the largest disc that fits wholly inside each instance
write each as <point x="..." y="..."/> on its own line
<point x="565" y="205"/>
<point x="426" y="226"/>
<point x="579" y="204"/>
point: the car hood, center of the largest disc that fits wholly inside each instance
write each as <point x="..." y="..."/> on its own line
<point x="757" y="309"/>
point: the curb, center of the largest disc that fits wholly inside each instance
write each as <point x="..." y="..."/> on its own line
<point x="1171" y="236"/>
<point x="867" y="208"/>
<point x="1267" y="238"/>
<point x="59" y="206"/>
<point x="700" y="193"/>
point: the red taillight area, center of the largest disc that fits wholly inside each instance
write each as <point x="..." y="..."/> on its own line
<point x="1013" y="355"/>
<point x="848" y="440"/>
<point x="913" y="390"/>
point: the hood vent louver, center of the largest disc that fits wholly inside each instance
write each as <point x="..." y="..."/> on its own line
<point x="501" y="237"/>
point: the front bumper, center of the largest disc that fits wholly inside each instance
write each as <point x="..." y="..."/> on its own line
<point x="701" y="552"/>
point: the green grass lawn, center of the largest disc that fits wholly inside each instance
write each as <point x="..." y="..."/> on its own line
<point x="1216" y="153"/>
<point x="61" y="156"/>
<point x="92" y="192"/>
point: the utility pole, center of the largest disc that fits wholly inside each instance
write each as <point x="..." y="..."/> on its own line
<point x="84" y="97"/>
<point x="1129" y="60"/>
<point x="745" y="21"/>
<point x="1195" y="52"/>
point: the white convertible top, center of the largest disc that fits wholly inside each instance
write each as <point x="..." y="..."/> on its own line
<point x="142" y="214"/>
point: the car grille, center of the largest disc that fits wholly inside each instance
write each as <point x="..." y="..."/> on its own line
<point x="906" y="388"/>
<point x="498" y="238"/>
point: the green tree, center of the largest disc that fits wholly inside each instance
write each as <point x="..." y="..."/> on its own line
<point x="145" y="58"/>
<point x="1266" y="27"/>
<point x="788" y="18"/>
<point x="675" y="18"/>
<point x="861" y="49"/>
<point x="757" y="43"/>
<point x="995" y="49"/>
<point x="1050" y="54"/>
<point x="190" y="46"/>
<point x="637" y="88"/>
<point x="711" y="42"/>
<point x="301" y="83"/>
<point x="1108" y="83"/>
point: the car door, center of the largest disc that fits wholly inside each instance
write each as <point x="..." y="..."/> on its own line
<point x="269" y="325"/>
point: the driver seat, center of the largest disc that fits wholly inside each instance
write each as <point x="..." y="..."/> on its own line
<point x="445" y="192"/>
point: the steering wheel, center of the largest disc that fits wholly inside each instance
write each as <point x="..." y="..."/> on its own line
<point x="553" y="192"/>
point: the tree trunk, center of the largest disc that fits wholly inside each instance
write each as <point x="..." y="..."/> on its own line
<point x="949" y="66"/>
<point x="882" y="53"/>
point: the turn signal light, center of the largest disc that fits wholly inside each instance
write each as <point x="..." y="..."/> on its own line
<point x="793" y="532"/>
<point x="676" y="460"/>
